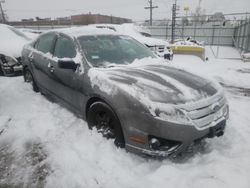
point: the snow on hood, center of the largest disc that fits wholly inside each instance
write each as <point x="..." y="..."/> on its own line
<point x="12" y="41"/>
<point x="152" y="82"/>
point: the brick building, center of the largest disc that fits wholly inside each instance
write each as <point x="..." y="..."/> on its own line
<point x="85" y="19"/>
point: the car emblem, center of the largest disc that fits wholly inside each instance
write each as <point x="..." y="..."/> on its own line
<point x="215" y="107"/>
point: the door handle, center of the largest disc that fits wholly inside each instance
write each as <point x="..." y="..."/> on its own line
<point x="51" y="68"/>
<point x="31" y="57"/>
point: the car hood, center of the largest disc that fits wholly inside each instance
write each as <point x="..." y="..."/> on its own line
<point x="157" y="83"/>
<point x="11" y="44"/>
<point x="151" y="41"/>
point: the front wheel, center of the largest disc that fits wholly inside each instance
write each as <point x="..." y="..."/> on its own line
<point x="28" y="77"/>
<point x="101" y="116"/>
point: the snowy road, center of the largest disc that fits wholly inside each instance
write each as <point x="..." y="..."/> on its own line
<point x="43" y="144"/>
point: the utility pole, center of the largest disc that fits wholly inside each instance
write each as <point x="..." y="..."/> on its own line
<point x="2" y="12"/>
<point x="174" y="12"/>
<point x="151" y="7"/>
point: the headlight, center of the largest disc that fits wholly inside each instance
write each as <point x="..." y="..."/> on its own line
<point x="10" y="60"/>
<point x="174" y="115"/>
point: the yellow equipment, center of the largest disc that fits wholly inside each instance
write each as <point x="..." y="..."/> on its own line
<point x="190" y="50"/>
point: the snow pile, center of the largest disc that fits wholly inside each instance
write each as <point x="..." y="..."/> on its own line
<point x="12" y="41"/>
<point x="46" y="145"/>
<point x="225" y="71"/>
<point x="246" y="55"/>
<point x="188" y="42"/>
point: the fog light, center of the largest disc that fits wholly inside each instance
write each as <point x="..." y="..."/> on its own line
<point x="154" y="143"/>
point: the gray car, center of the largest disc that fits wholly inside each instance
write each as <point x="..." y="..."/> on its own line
<point x="120" y="87"/>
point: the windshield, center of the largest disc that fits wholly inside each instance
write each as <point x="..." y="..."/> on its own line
<point x="112" y="49"/>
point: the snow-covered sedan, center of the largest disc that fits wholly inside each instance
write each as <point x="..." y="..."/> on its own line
<point x="160" y="47"/>
<point x="11" y="45"/>
<point x="120" y="87"/>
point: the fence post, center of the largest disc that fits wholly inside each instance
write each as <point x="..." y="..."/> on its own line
<point x="195" y="29"/>
<point x="244" y="35"/>
<point x="182" y="30"/>
<point x="248" y="37"/>
<point x="213" y="30"/>
<point x="239" y="35"/>
<point x="236" y="29"/>
<point x="167" y="31"/>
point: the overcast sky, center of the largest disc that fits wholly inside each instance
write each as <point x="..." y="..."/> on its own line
<point x="134" y="9"/>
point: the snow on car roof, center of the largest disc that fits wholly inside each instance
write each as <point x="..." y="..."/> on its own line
<point x="85" y="30"/>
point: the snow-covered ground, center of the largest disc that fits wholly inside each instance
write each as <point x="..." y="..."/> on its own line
<point x="43" y="144"/>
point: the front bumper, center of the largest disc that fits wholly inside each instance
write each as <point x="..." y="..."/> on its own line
<point x="140" y="127"/>
<point x="166" y="55"/>
<point x="12" y="70"/>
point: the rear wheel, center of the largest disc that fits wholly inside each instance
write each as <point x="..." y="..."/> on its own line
<point x="101" y="116"/>
<point x="28" y="77"/>
<point x="2" y="72"/>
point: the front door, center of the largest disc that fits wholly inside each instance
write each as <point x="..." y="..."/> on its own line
<point x="40" y="60"/>
<point x="68" y="82"/>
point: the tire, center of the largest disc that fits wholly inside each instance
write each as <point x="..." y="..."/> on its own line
<point x="28" y="77"/>
<point x="101" y="116"/>
<point x="2" y="73"/>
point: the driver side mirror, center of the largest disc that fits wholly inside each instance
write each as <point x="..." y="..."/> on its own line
<point x="67" y="64"/>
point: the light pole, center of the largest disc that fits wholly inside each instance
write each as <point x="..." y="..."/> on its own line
<point x="174" y="9"/>
<point x="151" y="7"/>
<point x="1" y="9"/>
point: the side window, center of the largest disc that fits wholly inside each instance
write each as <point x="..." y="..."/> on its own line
<point x="45" y="42"/>
<point x="64" y="48"/>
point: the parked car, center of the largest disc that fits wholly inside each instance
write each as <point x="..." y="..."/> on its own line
<point x="120" y="87"/>
<point x="12" y="42"/>
<point x="160" y="47"/>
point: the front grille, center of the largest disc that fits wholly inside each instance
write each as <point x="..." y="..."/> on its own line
<point x="208" y="114"/>
<point x="160" y="49"/>
<point x="157" y="48"/>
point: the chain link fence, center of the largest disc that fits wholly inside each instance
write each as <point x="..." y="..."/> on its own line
<point x="228" y="35"/>
<point x="241" y="36"/>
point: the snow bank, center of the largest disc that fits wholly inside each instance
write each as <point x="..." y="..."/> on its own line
<point x="246" y="55"/>
<point x="70" y="155"/>
<point x="226" y="71"/>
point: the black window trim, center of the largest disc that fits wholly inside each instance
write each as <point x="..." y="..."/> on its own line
<point x="53" y="42"/>
<point x="65" y="36"/>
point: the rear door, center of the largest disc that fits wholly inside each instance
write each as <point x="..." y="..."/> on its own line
<point x="41" y="59"/>
<point x="68" y="82"/>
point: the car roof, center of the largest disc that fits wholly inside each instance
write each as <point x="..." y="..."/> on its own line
<point x="76" y="32"/>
